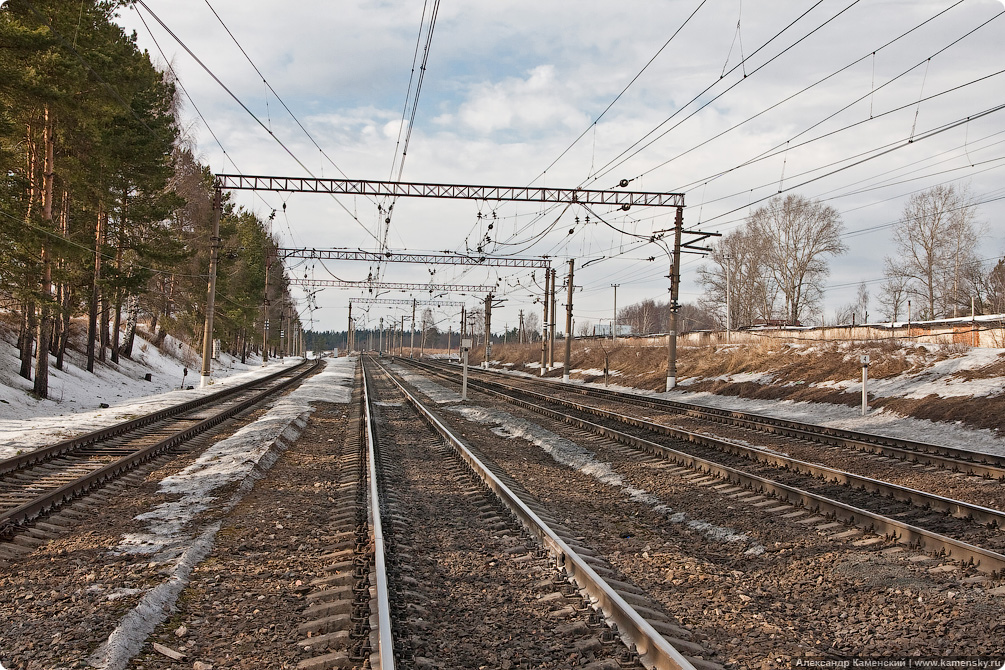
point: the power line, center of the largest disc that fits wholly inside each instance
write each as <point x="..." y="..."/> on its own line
<point x="243" y="106"/>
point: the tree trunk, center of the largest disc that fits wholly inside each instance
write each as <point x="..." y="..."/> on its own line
<point x="64" y="290"/>
<point x="92" y="315"/>
<point x="26" y="338"/>
<point x="117" y="322"/>
<point x="134" y="314"/>
<point x="41" y="387"/>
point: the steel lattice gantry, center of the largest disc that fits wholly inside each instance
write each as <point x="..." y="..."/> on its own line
<point x="397" y="189"/>
<point x="401" y="301"/>
<point x="340" y="283"/>
<point x="395" y="257"/>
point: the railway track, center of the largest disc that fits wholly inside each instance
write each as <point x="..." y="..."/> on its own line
<point x="950" y="458"/>
<point x="496" y="577"/>
<point x="967" y="532"/>
<point x="40" y="481"/>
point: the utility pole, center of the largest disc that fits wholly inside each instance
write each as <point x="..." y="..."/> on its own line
<point x="544" y="325"/>
<point x="380" y="338"/>
<point x="614" y="323"/>
<point x="411" y="346"/>
<point x="351" y="337"/>
<point x="488" y="330"/>
<point x="519" y="337"/>
<point x="554" y="317"/>
<point x="568" y="326"/>
<point x="401" y="337"/>
<point x="674" y="305"/>
<point x="265" y="312"/>
<point x="729" y="323"/>
<point x="214" y="253"/>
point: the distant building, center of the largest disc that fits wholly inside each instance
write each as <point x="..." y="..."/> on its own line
<point x="604" y="330"/>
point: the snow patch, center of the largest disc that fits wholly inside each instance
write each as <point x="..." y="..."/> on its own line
<point x="172" y="527"/>
<point x="572" y="455"/>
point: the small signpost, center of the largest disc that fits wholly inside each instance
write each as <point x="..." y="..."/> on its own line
<point x="865" y="381"/>
<point x="465" y="346"/>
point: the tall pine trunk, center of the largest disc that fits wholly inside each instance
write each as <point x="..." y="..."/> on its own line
<point x="41" y="386"/>
<point x="65" y="289"/>
<point x="117" y="320"/>
<point x="92" y="315"/>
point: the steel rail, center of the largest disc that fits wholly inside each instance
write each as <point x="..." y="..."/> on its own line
<point x="986" y="560"/>
<point x="654" y="650"/>
<point x="957" y="508"/>
<point x="385" y="639"/>
<point x="18" y="516"/>
<point x="957" y="460"/>
<point x="60" y="448"/>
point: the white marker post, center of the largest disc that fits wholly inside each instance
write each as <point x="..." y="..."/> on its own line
<point x="865" y="381"/>
<point x="465" y="345"/>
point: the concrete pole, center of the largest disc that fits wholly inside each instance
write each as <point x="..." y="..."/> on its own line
<point x="265" y="312"/>
<point x="380" y="338"/>
<point x="488" y="330"/>
<point x="614" y="323"/>
<point x="544" y="325"/>
<point x="214" y="254"/>
<point x="554" y="318"/>
<point x="729" y="323"/>
<point x="411" y="346"/>
<point x="674" y="305"/>
<point x="350" y="338"/>
<point x="865" y="381"/>
<point x="568" y="326"/>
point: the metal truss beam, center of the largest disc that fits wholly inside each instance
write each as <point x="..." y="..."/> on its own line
<point x="397" y="189"/>
<point x="395" y="301"/>
<point x="340" y="283"/>
<point x="428" y="259"/>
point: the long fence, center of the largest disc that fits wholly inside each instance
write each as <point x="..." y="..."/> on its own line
<point x="988" y="332"/>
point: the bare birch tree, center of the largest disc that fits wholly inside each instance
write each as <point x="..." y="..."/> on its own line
<point x="800" y="234"/>
<point x="738" y="265"/>
<point x="935" y="240"/>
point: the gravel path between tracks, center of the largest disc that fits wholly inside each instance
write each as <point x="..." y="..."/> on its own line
<point x="810" y="592"/>
<point x="94" y="595"/>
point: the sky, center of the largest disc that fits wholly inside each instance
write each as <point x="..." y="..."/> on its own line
<point x="856" y="103"/>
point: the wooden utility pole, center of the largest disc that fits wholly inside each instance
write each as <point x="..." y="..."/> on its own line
<point x="214" y="253"/>
<point x="568" y="326"/>
<point x="674" y="304"/>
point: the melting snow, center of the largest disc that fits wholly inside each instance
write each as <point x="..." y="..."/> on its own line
<point x="173" y="529"/>
<point x="570" y="454"/>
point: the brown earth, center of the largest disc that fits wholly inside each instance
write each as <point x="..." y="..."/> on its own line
<point x="788" y="371"/>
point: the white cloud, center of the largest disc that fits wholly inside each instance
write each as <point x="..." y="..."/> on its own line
<point x="535" y="102"/>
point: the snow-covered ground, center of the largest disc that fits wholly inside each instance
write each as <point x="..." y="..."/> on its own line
<point x="76" y="396"/>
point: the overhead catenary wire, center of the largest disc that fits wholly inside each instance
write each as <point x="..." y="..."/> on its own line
<point x="244" y="107"/>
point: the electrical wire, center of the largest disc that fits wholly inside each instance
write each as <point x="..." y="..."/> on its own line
<point x="245" y="107"/>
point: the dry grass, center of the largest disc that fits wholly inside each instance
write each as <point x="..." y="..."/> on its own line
<point x="784" y="371"/>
